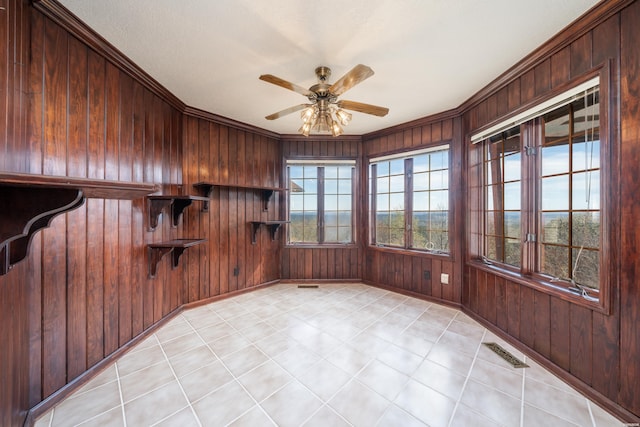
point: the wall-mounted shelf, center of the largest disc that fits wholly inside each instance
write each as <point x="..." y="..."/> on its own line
<point x="174" y="247"/>
<point x="32" y="201"/>
<point x="272" y="226"/>
<point x="175" y="205"/>
<point x="206" y="188"/>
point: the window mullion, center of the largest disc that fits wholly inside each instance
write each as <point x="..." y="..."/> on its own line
<point x="531" y="137"/>
<point x="373" y="219"/>
<point x="408" y="203"/>
<point x="320" y="204"/>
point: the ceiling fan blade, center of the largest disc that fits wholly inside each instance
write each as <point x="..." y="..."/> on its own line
<point x="357" y="74"/>
<point x="287" y="111"/>
<point x="363" y="108"/>
<point x="269" y="78"/>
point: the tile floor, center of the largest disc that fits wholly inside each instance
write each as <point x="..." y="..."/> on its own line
<point x="339" y="355"/>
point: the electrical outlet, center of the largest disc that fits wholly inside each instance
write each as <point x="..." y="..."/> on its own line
<point x="444" y="279"/>
<point x="427" y="275"/>
<point x="236" y="271"/>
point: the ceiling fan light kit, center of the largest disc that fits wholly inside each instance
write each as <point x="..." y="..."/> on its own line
<point x="326" y="113"/>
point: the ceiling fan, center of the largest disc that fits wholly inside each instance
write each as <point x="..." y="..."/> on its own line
<point x="325" y="113"/>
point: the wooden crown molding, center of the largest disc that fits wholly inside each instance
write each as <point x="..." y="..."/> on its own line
<point x="205" y="115"/>
<point x="424" y="121"/>
<point x="315" y="138"/>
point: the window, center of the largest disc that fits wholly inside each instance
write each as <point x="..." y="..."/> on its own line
<point x="321" y="202"/>
<point x="542" y="196"/>
<point x="409" y="197"/>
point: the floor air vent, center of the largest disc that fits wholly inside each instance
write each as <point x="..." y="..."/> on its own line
<point x="510" y="358"/>
<point x="307" y="286"/>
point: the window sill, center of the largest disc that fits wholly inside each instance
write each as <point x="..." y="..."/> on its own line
<point x="544" y="286"/>
<point x="414" y="252"/>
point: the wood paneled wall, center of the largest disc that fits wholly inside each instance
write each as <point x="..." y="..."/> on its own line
<point x="322" y="263"/>
<point x="225" y="155"/>
<point x="405" y="270"/>
<point x="600" y="350"/>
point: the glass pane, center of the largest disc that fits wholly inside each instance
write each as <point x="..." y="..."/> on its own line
<point x="586" y="229"/>
<point x="586" y="191"/>
<point x="296" y="226"/>
<point x="512" y="196"/>
<point x="491" y="250"/>
<point x="330" y="186"/>
<point x="330" y="172"/>
<point x="382" y="219"/>
<point x="396" y="237"/>
<point x="310" y="186"/>
<point x="421" y="201"/>
<point x="420" y="181"/>
<point x="512" y="167"/>
<point x="512" y="252"/>
<point x="382" y="235"/>
<point x="492" y="192"/>
<point x="344" y="186"/>
<point x="587" y="267"/>
<point x="555" y="261"/>
<point x="586" y="155"/>
<point x="491" y="218"/>
<point x="440" y="160"/>
<point x="344" y="234"/>
<point x="330" y="219"/>
<point x="396" y="167"/>
<point x="438" y="221"/>
<point x="344" y="219"/>
<point x="344" y="203"/>
<point x="512" y="225"/>
<point x="310" y="227"/>
<point x="331" y="202"/>
<point x="330" y="234"/>
<point x="396" y="183"/>
<point x="555" y="159"/>
<point x="310" y="171"/>
<point x="396" y="201"/>
<point x="344" y="172"/>
<point x="421" y="163"/>
<point x="295" y="171"/>
<point x="383" y="168"/>
<point x="383" y="185"/>
<point x="555" y="228"/>
<point x="439" y="200"/>
<point x="382" y="202"/>
<point x="296" y="202"/>
<point x="420" y="238"/>
<point x="555" y="193"/>
<point x="439" y="180"/>
<point x="310" y="202"/>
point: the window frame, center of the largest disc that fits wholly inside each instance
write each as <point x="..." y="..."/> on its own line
<point x="321" y="163"/>
<point x="531" y="134"/>
<point x="407" y="157"/>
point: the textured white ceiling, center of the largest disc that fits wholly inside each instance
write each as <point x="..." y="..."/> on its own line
<point x="428" y="55"/>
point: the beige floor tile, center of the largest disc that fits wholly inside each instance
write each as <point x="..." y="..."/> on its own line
<point x="383" y="379"/>
<point x="265" y="380"/>
<point x="400" y="359"/>
<point x="450" y="358"/>
<point x="87" y="405"/>
<point x="205" y="380"/>
<point x="414" y="342"/>
<point x="183" y="418"/>
<point x="321" y="344"/>
<point x="112" y="418"/>
<point x="156" y="405"/>
<point x="192" y="360"/>
<point x="145" y="380"/>
<point x="175" y="329"/>
<point x="603" y="418"/>
<point x="44" y="420"/>
<point x="254" y="417"/>
<point x="465" y="416"/>
<point x="440" y="379"/>
<point x="508" y="380"/>
<point x="292" y="405"/>
<point x="106" y="376"/>
<point x="460" y="343"/>
<point x="369" y="343"/>
<point x="475" y="332"/>
<point x="494" y="404"/>
<point x="258" y="331"/>
<point x="534" y="417"/>
<point x="395" y="417"/>
<point x="326" y="417"/>
<point x="223" y="405"/>
<point x="229" y="344"/>
<point x="426" y="404"/>
<point x="244" y="360"/>
<point x="359" y="405"/>
<point x="569" y="406"/>
<point x="324" y="379"/>
<point x="132" y="362"/>
<point x="182" y="344"/>
<point x="349" y="359"/>
<point x="297" y="359"/>
<point x="211" y="333"/>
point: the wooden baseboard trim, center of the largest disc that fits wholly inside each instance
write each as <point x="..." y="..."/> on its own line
<point x="413" y="294"/>
<point x="215" y="298"/>
<point x="318" y="281"/>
